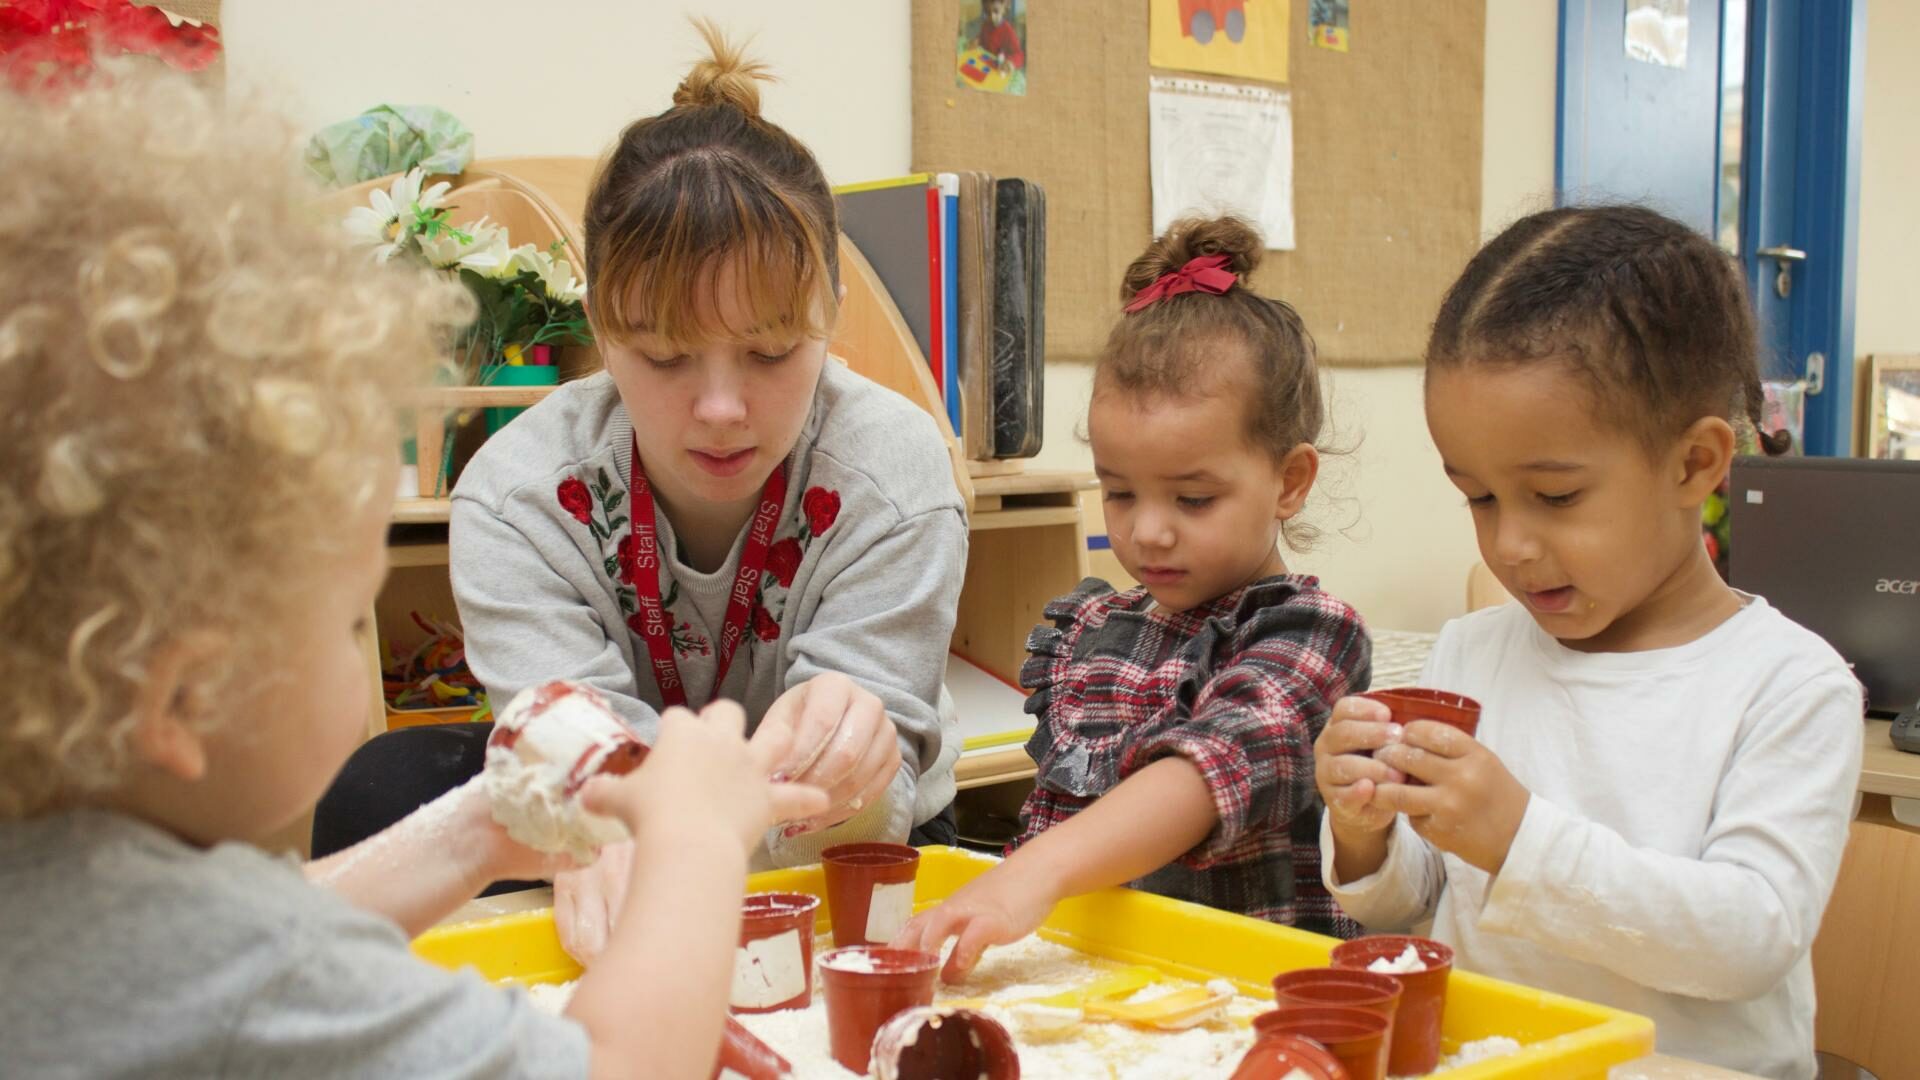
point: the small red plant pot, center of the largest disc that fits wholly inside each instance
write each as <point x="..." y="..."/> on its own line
<point x="866" y="987"/>
<point x="773" y="968"/>
<point x="869" y="891"/>
<point x="932" y="1043"/>
<point x="1423" y="995"/>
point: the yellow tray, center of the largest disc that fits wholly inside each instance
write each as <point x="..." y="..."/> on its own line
<point x="1561" y="1038"/>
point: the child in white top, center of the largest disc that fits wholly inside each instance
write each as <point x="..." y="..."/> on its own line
<point x="1653" y="813"/>
<point x="194" y="492"/>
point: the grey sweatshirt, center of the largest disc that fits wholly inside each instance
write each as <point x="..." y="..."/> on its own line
<point x="863" y="578"/>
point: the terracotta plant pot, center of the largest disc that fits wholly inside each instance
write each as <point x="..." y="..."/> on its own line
<point x="1412" y="703"/>
<point x="744" y="1055"/>
<point x="869" y="891"/>
<point x="1423" y="996"/>
<point x="1454" y="710"/>
<point x="1355" y="1036"/>
<point x="1339" y="986"/>
<point x="1278" y="1057"/>
<point x="932" y="1044"/>
<point x="865" y="988"/>
<point x="773" y="968"/>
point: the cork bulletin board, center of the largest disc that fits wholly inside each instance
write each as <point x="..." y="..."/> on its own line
<point x="1387" y="141"/>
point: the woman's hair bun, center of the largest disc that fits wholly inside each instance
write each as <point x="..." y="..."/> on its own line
<point x="725" y="77"/>
<point x="1192" y="238"/>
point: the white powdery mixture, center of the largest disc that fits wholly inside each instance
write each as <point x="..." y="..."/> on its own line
<point x="1028" y="969"/>
<point x="849" y="960"/>
<point x="1035" y="968"/>
<point x="552" y="997"/>
<point x="1492" y="1046"/>
<point x="527" y="783"/>
<point x="1404" y="964"/>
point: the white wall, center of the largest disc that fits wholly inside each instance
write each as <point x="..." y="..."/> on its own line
<point x="1887" y="305"/>
<point x="563" y="79"/>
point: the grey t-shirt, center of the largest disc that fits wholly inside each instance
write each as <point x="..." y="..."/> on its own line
<point x="129" y="953"/>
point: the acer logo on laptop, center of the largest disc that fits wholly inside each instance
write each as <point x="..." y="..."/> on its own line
<point x="1892" y="585"/>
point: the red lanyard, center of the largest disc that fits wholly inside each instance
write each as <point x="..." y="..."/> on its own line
<point x="654" y="626"/>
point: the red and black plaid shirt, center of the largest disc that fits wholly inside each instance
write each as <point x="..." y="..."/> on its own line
<point x="1241" y="687"/>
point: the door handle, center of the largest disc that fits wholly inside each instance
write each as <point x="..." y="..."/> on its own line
<point x="1783" y="257"/>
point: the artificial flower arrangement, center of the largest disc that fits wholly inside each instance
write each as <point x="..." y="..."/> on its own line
<point x="527" y="301"/>
<point x="528" y="298"/>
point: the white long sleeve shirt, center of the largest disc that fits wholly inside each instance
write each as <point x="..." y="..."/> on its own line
<point x="1690" y="806"/>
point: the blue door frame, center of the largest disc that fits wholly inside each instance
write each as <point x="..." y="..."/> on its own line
<point x="1800" y="168"/>
<point x="1806" y="63"/>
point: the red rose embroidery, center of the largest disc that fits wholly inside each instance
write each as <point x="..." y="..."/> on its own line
<point x="628" y="556"/>
<point x="764" y="627"/>
<point x="637" y="624"/>
<point x="784" y="561"/>
<point x="575" y="499"/>
<point x="822" y="507"/>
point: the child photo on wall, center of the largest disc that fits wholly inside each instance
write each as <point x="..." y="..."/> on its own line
<point x="990" y="51"/>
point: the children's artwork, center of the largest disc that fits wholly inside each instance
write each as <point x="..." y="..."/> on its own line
<point x="1243" y="38"/>
<point x="1222" y="148"/>
<point x="1327" y="24"/>
<point x="990" y="52"/>
<point x="1657" y="32"/>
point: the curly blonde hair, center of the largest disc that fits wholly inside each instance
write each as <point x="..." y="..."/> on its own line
<point x="198" y="377"/>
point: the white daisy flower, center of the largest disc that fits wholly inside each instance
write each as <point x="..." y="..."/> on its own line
<point x="483" y="250"/>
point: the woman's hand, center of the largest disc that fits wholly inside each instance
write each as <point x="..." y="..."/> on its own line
<point x="585" y="899"/>
<point x="842" y="740"/>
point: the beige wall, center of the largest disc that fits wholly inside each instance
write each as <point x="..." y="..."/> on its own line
<point x="531" y="85"/>
<point x="1887" y="305"/>
<point x="528" y="81"/>
<point x="1399" y="542"/>
<point x="1404" y="562"/>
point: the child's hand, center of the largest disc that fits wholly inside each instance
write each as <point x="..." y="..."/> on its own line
<point x="1346" y="777"/>
<point x="993" y="909"/>
<point x="1472" y="806"/>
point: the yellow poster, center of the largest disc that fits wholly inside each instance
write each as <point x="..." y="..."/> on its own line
<point x="1243" y="38"/>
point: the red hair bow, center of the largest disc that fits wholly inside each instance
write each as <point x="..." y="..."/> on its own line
<point x="1207" y="274"/>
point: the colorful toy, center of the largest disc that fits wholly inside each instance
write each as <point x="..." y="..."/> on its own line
<point x="983" y="69"/>
<point x="435" y="674"/>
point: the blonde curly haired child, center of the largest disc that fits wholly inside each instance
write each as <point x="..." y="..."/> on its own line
<point x="195" y="473"/>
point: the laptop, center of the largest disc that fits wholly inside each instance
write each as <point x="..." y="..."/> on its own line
<point x="1834" y="543"/>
